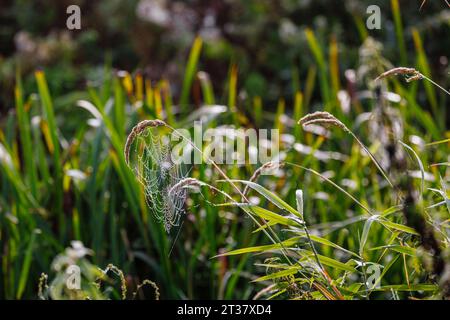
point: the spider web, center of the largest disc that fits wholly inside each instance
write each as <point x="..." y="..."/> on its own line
<point x="154" y="168"/>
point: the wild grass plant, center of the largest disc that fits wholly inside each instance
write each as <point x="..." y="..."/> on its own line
<point x="339" y="206"/>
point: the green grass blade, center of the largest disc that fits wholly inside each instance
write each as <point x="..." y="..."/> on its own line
<point x="26" y="266"/>
<point x="276" y="200"/>
<point x="25" y="137"/>
<point x="399" y="31"/>
<point x="190" y="71"/>
<point x="57" y="163"/>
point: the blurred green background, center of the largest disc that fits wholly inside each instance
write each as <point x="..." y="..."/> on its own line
<point x="266" y="39"/>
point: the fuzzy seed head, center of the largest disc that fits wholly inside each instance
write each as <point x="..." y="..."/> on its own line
<point x="413" y="73"/>
<point x="137" y="129"/>
<point x="187" y="182"/>
<point x="322" y="118"/>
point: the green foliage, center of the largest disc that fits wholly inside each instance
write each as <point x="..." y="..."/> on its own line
<point x="64" y="177"/>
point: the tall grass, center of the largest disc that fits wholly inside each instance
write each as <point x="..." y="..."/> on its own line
<point x="59" y="184"/>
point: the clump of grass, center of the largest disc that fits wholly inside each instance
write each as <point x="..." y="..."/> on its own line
<point x="91" y="282"/>
<point x="90" y="179"/>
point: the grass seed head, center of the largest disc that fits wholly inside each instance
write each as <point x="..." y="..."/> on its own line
<point x="187" y="182"/>
<point x="322" y="118"/>
<point x="137" y="129"/>
<point x="120" y="274"/>
<point x="150" y="283"/>
<point x="413" y="73"/>
<point x="418" y="76"/>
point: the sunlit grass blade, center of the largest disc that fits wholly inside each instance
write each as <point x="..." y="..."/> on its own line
<point x="276" y="275"/>
<point x="424" y="68"/>
<point x="399" y="31"/>
<point x="320" y="60"/>
<point x="269" y="247"/>
<point x="207" y="89"/>
<point x="25" y="137"/>
<point x="276" y="200"/>
<point x="190" y="71"/>
<point x="49" y="115"/>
